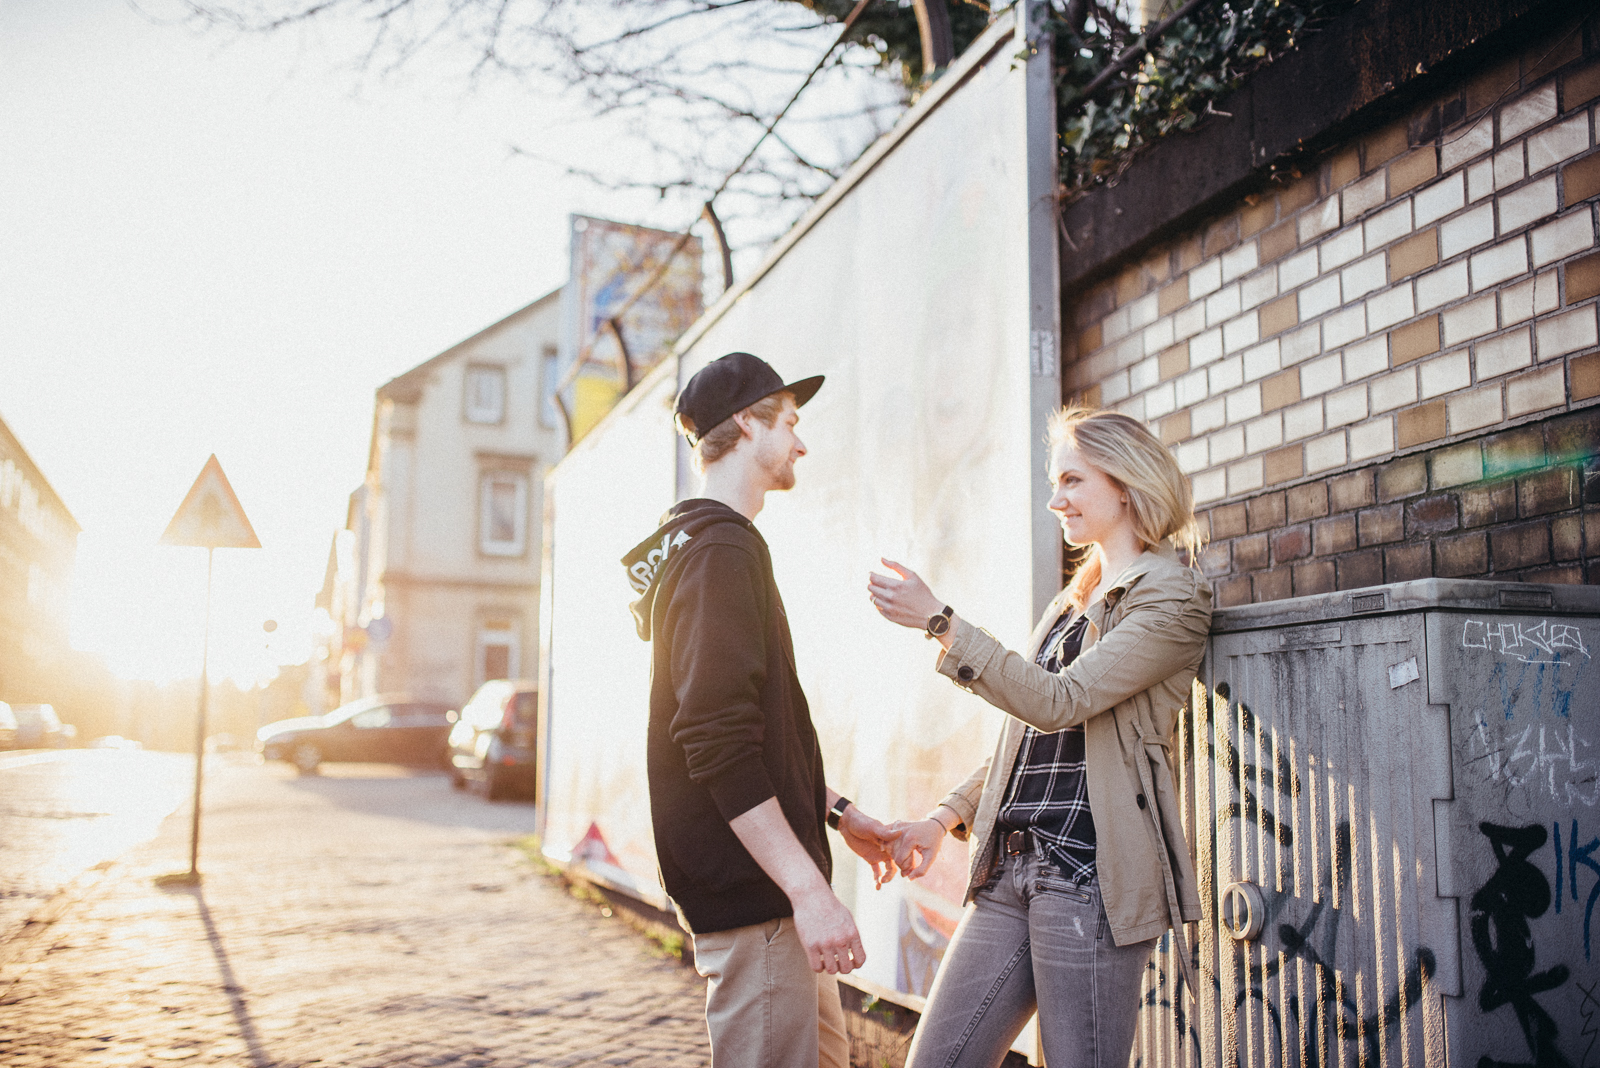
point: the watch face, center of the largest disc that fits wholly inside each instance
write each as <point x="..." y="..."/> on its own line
<point x="938" y="625"/>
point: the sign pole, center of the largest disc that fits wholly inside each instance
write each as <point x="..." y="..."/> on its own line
<point x="200" y="728"/>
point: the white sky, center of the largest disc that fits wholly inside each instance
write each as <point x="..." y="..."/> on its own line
<point x="225" y="245"/>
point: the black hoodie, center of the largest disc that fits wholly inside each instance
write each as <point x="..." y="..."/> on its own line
<point x="729" y="725"/>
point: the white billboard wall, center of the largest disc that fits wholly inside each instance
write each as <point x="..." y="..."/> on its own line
<point x="912" y="288"/>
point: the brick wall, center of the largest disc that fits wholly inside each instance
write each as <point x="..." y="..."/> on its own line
<point x="1378" y="371"/>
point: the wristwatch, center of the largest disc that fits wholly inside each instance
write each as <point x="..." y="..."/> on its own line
<point x="836" y="813"/>
<point x="939" y="622"/>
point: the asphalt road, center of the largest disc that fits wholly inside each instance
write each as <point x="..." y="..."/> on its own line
<point x="63" y="811"/>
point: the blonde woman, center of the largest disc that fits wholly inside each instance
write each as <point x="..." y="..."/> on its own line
<point x="1079" y="861"/>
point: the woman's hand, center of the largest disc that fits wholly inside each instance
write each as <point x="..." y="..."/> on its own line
<point x="917" y="846"/>
<point x="902" y="598"/>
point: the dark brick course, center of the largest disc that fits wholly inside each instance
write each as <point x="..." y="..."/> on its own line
<point x="1406" y="562"/>
<point x="1309" y="501"/>
<point x="1402" y="478"/>
<point x="1267" y="512"/>
<point x="1555" y="490"/>
<point x="1336" y="535"/>
<point x="1496" y="503"/>
<point x="1431" y="515"/>
<point x="1250" y="554"/>
<point x="1291" y="543"/>
<point x="1351" y="491"/>
<point x="1378" y="526"/>
<point x="1274" y="585"/>
<point x="1315" y="576"/>
<point x="1360" y="569"/>
<point x="1463" y="556"/>
<point x="1523" y="545"/>
<point x="1513" y="453"/>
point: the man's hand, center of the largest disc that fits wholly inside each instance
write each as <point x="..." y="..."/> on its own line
<point x="870" y="840"/>
<point x="828" y="931"/>
<point x="917" y="846"/>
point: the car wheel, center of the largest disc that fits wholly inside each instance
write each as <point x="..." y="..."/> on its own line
<point x="306" y="758"/>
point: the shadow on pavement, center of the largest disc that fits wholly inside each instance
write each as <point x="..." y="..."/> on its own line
<point x="422" y="795"/>
<point x="230" y="982"/>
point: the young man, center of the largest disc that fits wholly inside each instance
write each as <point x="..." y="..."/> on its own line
<point x="737" y="795"/>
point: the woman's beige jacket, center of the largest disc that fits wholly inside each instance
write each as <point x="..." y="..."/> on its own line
<point x="1128" y="686"/>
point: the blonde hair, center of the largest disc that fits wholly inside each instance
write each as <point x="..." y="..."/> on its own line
<point x="717" y="442"/>
<point x="1160" y="500"/>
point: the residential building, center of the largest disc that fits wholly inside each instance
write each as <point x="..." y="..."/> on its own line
<point x="38" y="541"/>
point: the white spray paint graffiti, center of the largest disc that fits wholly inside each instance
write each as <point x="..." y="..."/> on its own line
<point x="1543" y="757"/>
<point x="1544" y="642"/>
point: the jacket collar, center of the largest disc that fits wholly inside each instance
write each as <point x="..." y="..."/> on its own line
<point x="1162" y="556"/>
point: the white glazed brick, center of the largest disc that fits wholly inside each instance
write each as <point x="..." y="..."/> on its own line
<point x="1158" y="336"/>
<point x="1160" y="400"/>
<point x="1207" y="348"/>
<point x="1204" y="279"/>
<point x="1261" y="360"/>
<point x="1535" y="296"/>
<point x="1388" y="308"/>
<point x="1130" y="350"/>
<point x="1532" y="202"/>
<point x="1227" y="445"/>
<point x="1225" y="375"/>
<point x="1242" y="332"/>
<point x="1114" y="388"/>
<point x="1558" y="144"/>
<point x="1297" y="269"/>
<point x="1264" y="433"/>
<point x="1442" y="286"/>
<point x="1301" y="344"/>
<point x="1441" y="198"/>
<point x="1318" y="220"/>
<point x="1390" y="224"/>
<point x="1191" y="388"/>
<point x="1325" y="452"/>
<point x="1363" y="276"/>
<point x="1494" y="265"/>
<point x="1508" y="167"/>
<point x="1344" y="326"/>
<point x="1209" y="486"/>
<point x="1363" y="196"/>
<point x="1241" y="260"/>
<point x="1144" y="311"/>
<point x="1346" y="406"/>
<point x="1522" y="115"/>
<point x="1476" y="140"/>
<point x="1371" y="439"/>
<point x="1244" y="404"/>
<point x="1115" y="327"/>
<point x="1445" y="374"/>
<point x="1367" y="358"/>
<point x="1141" y="376"/>
<point x="1319" y="376"/>
<point x="1223" y="304"/>
<point x="1480" y="181"/>
<point x="1258" y="288"/>
<point x="1466" y="231"/>
<point x="1246" y="476"/>
<point x="1472" y="411"/>
<point x="1467" y="321"/>
<point x="1133" y="408"/>
<point x="1208" y="416"/>
<point x="1535" y="392"/>
<point x="1561" y="334"/>
<point x="1188" y="321"/>
<point x="1098" y="366"/>
<point x="1340" y="249"/>
<point x="1302" y="420"/>
<point x="1395" y="391"/>
<point x="1503" y="354"/>
<point x="1321" y="296"/>
<point x="1191" y="456"/>
<point x="1569" y="234"/>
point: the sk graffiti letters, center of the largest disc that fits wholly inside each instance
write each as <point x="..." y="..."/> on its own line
<point x="1577" y="855"/>
<point x="1543" y="757"/>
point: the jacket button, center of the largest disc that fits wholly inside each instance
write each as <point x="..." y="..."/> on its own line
<point x="964" y="673"/>
<point x="1139" y="800"/>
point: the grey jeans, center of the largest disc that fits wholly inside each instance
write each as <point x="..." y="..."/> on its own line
<point x="1032" y="941"/>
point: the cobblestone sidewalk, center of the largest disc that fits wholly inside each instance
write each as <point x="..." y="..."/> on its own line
<point x="363" y="918"/>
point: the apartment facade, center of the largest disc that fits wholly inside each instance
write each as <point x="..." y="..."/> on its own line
<point x="38" y="542"/>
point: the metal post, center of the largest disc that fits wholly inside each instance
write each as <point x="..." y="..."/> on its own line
<point x="200" y="730"/>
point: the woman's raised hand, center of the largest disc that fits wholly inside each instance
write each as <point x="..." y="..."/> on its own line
<point x="916" y="845"/>
<point x="903" y="597"/>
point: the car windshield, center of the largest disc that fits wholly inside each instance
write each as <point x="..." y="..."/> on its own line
<point x="354" y="708"/>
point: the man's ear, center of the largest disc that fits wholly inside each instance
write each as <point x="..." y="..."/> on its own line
<point x="746" y="423"/>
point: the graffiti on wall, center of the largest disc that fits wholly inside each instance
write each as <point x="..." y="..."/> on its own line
<point x="1544" y="642"/>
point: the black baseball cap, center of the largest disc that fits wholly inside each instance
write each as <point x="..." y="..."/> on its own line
<point x="731" y="384"/>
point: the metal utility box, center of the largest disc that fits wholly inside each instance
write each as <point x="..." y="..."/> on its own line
<point x="1393" y="798"/>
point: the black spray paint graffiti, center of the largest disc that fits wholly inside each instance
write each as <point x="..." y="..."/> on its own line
<point x="1334" y="1009"/>
<point x="1514" y="894"/>
<point x="1577" y="855"/>
<point x="1590" y="1007"/>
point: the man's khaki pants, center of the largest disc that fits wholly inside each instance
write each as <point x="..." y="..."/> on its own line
<point x="765" y="1007"/>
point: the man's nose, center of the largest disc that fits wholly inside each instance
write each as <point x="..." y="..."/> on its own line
<point x="799" y="447"/>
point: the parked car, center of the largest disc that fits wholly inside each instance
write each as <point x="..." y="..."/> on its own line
<point x="387" y="729"/>
<point x="493" y="744"/>
<point x="38" y="727"/>
<point x="8" y="727"/>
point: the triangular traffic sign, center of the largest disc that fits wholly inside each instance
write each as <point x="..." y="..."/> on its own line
<point x="210" y="517"/>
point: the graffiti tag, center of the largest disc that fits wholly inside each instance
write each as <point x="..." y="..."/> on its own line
<point x="1544" y="642"/>
<point x="1543" y="757"/>
<point x="1577" y="855"/>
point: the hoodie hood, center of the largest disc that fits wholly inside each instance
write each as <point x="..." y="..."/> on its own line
<point x="646" y="563"/>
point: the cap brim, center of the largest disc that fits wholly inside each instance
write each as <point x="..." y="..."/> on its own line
<point x="804" y="389"/>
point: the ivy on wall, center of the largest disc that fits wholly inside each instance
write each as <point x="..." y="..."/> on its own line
<point x="1200" y="59"/>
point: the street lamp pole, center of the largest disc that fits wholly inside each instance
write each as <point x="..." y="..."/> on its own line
<point x="200" y="728"/>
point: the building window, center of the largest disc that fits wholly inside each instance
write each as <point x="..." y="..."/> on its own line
<point x="503" y="514"/>
<point x="498" y="653"/>
<point x="549" y="379"/>
<point x="486" y="394"/>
